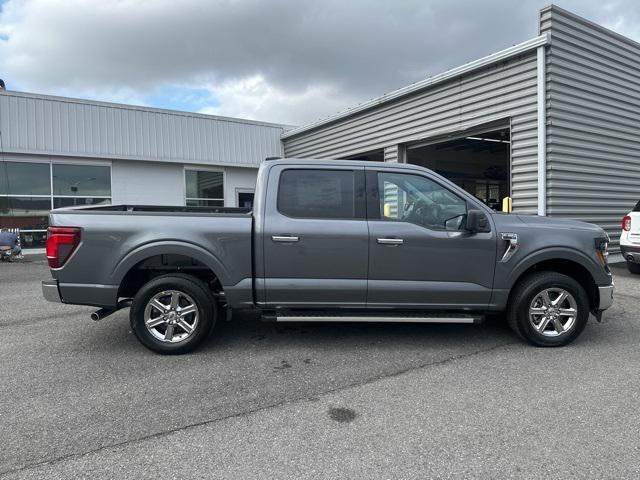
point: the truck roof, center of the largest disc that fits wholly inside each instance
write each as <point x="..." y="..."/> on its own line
<point x="324" y="162"/>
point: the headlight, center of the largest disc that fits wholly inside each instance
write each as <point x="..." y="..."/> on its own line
<point x="602" y="249"/>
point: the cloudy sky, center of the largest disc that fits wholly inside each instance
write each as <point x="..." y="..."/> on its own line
<point x="290" y="61"/>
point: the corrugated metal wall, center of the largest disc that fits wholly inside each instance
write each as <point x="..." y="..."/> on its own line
<point x="38" y="124"/>
<point x="500" y="91"/>
<point x="593" y="121"/>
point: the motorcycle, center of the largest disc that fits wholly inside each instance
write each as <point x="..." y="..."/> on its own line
<point x="6" y="254"/>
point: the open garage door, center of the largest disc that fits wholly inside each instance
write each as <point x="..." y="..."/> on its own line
<point x="479" y="163"/>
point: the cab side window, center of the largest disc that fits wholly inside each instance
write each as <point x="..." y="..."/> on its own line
<point x="419" y="200"/>
<point x="308" y="193"/>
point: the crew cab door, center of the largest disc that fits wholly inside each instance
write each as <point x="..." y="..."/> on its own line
<point x="420" y="256"/>
<point x="315" y="237"/>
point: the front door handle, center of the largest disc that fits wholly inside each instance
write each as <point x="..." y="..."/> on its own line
<point x="285" y="238"/>
<point x="390" y="241"/>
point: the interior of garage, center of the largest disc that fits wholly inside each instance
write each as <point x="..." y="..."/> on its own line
<point x="372" y="156"/>
<point x="477" y="162"/>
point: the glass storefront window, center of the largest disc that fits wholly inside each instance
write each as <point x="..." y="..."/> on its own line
<point x="205" y="203"/>
<point x="25" y="213"/>
<point x="26" y="197"/>
<point x="59" y="202"/>
<point x="23" y="178"/>
<point x="204" y="185"/>
<point x="81" y="180"/>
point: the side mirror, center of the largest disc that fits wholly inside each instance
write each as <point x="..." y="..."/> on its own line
<point x="476" y="222"/>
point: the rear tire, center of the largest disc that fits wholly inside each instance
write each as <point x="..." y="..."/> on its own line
<point x="633" y="268"/>
<point x="548" y="309"/>
<point x="172" y="314"/>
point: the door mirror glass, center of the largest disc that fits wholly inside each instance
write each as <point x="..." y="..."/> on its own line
<point x="476" y="222"/>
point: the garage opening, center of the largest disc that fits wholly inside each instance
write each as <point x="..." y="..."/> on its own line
<point x="479" y="163"/>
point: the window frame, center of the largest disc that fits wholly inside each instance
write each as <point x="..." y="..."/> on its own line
<point x="204" y="169"/>
<point x="359" y="192"/>
<point x="373" y="197"/>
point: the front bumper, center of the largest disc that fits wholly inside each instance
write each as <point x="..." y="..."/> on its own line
<point x="50" y="291"/>
<point x="606" y="297"/>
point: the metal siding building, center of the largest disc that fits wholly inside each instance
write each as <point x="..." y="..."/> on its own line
<point x="58" y="151"/>
<point x="45" y="125"/>
<point x="571" y="97"/>
<point x="593" y="120"/>
<point x="501" y="89"/>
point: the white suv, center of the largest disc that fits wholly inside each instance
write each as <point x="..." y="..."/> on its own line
<point x="630" y="239"/>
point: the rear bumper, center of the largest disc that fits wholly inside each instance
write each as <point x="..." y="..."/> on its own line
<point x="606" y="297"/>
<point x="630" y="253"/>
<point x="80" y="294"/>
<point x="50" y="291"/>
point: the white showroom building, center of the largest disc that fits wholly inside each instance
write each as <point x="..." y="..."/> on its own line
<point x="58" y="152"/>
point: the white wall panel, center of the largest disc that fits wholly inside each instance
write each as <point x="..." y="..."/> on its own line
<point x="242" y="178"/>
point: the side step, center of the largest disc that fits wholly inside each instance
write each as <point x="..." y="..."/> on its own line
<point x="400" y="318"/>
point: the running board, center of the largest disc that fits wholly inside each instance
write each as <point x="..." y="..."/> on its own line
<point x="381" y="318"/>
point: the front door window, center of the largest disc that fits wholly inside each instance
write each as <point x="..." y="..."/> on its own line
<point x="419" y="200"/>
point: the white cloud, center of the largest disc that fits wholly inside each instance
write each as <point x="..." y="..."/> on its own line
<point x="254" y="98"/>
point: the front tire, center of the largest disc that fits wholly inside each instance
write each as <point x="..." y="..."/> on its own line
<point x="633" y="268"/>
<point x="172" y="314"/>
<point x="548" y="309"/>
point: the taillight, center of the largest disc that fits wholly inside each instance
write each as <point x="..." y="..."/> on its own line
<point x="626" y="223"/>
<point x="61" y="242"/>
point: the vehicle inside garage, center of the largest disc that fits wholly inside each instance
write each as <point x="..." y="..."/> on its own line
<point x="479" y="163"/>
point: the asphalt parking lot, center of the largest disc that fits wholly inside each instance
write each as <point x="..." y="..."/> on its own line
<point x="81" y="399"/>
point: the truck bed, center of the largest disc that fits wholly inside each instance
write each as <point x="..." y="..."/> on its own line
<point x="118" y="238"/>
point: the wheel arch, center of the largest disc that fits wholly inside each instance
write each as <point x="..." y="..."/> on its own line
<point x="569" y="262"/>
<point x="134" y="259"/>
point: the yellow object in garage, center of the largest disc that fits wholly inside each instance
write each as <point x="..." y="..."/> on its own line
<point x="387" y="210"/>
<point x="507" y="204"/>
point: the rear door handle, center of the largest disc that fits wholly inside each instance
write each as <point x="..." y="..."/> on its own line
<point x="285" y="238"/>
<point x="390" y="241"/>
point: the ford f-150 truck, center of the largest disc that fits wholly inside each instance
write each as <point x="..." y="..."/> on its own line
<point x="331" y="241"/>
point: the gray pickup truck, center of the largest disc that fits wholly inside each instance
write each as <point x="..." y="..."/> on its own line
<point x="331" y="241"/>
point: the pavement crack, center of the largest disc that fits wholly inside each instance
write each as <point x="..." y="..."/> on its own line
<point x="35" y="320"/>
<point x="244" y="413"/>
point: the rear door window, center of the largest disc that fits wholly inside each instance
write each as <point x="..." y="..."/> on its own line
<point x="308" y="193"/>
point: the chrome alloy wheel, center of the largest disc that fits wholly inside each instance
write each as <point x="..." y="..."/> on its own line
<point x="553" y="312"/>
<point x="171" y="316"/>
